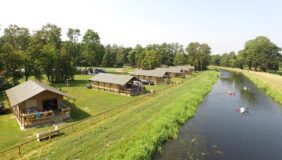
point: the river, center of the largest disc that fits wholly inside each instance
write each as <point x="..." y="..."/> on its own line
<point x="219" y="132"/>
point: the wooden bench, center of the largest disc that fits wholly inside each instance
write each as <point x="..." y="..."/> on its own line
<point x="47" y="134"/>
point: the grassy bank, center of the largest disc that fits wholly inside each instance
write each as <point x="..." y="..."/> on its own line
<point x="88" y="103"/>
<point x="270" y="83"/>
<point x="134" y="134"/>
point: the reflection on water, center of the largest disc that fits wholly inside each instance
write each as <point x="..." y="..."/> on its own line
<point x="218" y="131"/>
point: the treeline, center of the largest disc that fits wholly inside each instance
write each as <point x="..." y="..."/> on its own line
<point x="43" y="52"/>
<point x="258" y="54"/>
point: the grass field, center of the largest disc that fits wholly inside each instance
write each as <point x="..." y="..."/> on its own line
<point x="136" y="133"/>
<point x="88" y="102"/>
<point x="270" y="83"/>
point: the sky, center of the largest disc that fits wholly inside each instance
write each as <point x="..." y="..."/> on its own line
<point x="224" y="24"/>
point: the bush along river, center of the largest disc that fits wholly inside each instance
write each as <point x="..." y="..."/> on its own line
<point x="220" y="132"/>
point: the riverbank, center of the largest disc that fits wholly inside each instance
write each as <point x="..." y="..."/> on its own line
<point x="270" y="83"/>
<point x="138" y="133"/>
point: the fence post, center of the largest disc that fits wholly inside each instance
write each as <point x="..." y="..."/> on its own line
<point x="49" y="135"/>
<point x="19" y="150"/>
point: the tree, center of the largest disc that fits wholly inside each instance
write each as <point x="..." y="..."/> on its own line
<point x="261" y="53"/>
<point x="216" y="60"/>
<point x="92" y="50"/>
<point x="151" y="59"/>
<point x="198" y="55"/>
<point x="14" y="52"/>
<point x="135" y="56"/>
<point x="121" y="57"/>
<point x="106" y="62"/>
<point x="51" y="39"/>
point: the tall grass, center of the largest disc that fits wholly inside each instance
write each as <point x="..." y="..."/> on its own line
<point x="163" y="126"/>
<point x="138" y="133"/>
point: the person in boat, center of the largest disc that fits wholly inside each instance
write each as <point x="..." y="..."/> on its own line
<point x="245" y="88"/>
<point x="243" y="110"/>
<point x="230" y="92"/>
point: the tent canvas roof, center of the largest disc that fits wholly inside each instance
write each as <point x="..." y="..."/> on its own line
<point x="112" y="78"/>
<point x="188" y="67"/>
<point x="171" y="69"/>
<point x="152" y="73"/>
<point x="27" y="90"/>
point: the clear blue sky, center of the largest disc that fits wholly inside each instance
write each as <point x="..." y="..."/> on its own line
<point x="224" y="24"/>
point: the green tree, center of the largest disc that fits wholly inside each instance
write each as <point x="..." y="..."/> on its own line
<point x="261" y="53"/>
<point x="151" y="59"/>
<point x="14" y="52"/>
<point x="135" y="56"/>
<point x="198" y="55"/>
<point x="92" y="50"/>
<point x="51" y="37"/>
<point x="216" y="60"/>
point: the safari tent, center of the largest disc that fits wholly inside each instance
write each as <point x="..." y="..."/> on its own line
<point x="36" y="104"/>
<point x="122" y="84"/>
<point x="173" y="71"/>
<point x="156" y="76"/>
<point x="187" y="69"/>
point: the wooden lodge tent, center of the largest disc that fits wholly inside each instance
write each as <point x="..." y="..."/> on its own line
<point x="173" y="71"/>
<point x="122" y="84"/>
<point x="156" y="76"/>
<point x="187" y="69"/>
<point x="37" y="104"/>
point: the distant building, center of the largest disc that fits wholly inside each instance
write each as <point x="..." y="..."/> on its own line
<point x="36" y="104"/>
<point x="122" y="84"/>
<point x="173" y="71"/>
<point x="187" y="69"/>
<point x="155" y="76"/>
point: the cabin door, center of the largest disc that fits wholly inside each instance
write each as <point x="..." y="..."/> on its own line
<point x="50" y="104"/>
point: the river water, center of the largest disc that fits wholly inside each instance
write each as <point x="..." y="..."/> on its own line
<point x="219" y="132"/>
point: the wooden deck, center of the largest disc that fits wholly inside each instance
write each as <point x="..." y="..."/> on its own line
<point x="42" y="118"/>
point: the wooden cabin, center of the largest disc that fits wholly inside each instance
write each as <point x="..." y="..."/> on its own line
<point x="121" y="84"/>
<point x="173" y="71"/>
<point x="155" y="76"/>
<point x="187" y="69"/>
<point x="36" y="104"/>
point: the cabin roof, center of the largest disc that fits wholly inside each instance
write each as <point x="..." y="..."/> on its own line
<point x="27" y="90"/>
<point x="171" y="69"/>
<point x="152" y="73"/>
<point x="112" y="78"/>
<point x="187" y="67"/>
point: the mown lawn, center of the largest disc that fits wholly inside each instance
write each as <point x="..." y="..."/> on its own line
<point x="88" y="102"/>
<point x="135" y="133"/>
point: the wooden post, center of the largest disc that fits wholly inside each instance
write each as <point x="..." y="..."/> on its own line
<point x="19" y="150"/>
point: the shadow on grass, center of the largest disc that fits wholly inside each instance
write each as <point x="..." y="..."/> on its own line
<point x="278" y="73"/>
<point x="73" y="83"/>
<point x="78" y="114"/>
